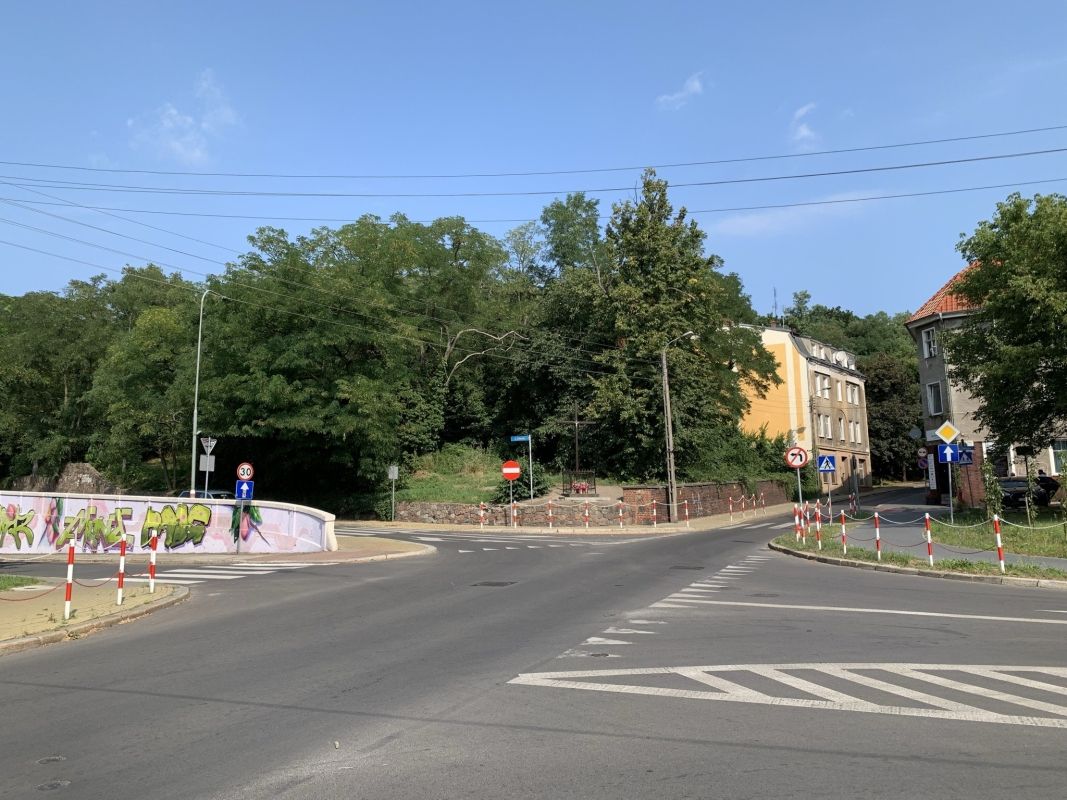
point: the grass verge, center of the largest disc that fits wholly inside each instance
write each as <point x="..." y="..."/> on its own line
<point x="1047" y="536"/>
<point x="833" y="548"/>
<point x="12" y="581"/>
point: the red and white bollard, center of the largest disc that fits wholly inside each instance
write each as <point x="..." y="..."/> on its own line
<point x="514" y="514"/>
<point x="929" y="539"/>
<point x="763" y="503"/>
<point x="877" y="537"/>
<point x="653" y="513"/>
<point x="152" y="562"/>
<point x="481" y="515"/>
<point x="685" y="505"/>
<point x="818" y="526"/>
<point x="1000" y="546"/>
<point x="70" y="579"/>
<point x="122" y="570"/>
<point x="620" y="513"/>
<point x="844" y="536"/>
<point x="731" y="508"/>
<point x="806" y="529"/>
<point x="796" y="520"/>
<point x="744" y="503"/>
<point x="550" y="515"/>
<point x="585" y="513"/>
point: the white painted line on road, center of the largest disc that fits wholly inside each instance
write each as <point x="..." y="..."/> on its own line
<point x="686" y="598"/>
<point x="555" y="545"/>
<point x="628" y="631"/>
<point x="464" y="551"/>
<point x="429" y="538"/>
<point x="717" y="677"/>
<point x="699" y="589"/>
<point x="511" y="548"/>
<point x="577" y="545"/>
<point x="533" y="547"/>
<point x="762" y="525"/>
<point x="241" y="570"/>
<point x="200" y="576"/>
<point x="783" y="526"/>
<point x="130" y="579"/>
<point x="661" y="604"/>
<point x="646" y="622"/>
<point x="892" y="611"/>
<point x="1052" y="611"/>
<point x="490" y="548"/>
<point x="600" y="640"/>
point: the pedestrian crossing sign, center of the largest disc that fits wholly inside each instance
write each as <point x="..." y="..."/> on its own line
<point x="827" y="463"/>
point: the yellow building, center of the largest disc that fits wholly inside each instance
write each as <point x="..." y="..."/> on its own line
<point x="820" y="405"/>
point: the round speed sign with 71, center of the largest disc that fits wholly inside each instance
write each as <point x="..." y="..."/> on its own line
<point x="796" y="457"/>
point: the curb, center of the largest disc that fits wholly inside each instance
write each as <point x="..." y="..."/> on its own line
<point x="50" y="637"/>
<point x="427" y="550"/>
<point x="1032" y="583"/>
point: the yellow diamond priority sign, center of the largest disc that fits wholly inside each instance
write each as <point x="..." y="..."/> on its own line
<point x="947" y="433"/>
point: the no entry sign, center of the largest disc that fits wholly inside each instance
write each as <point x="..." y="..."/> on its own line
<point x="511" y="470"/>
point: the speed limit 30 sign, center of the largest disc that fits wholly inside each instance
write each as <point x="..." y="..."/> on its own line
<point x="796" y="457"/>
<point x="245" y="472"/>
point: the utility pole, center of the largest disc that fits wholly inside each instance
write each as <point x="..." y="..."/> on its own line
<point x="668" y="425"/>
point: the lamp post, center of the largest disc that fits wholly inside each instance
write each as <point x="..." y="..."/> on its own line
<point x="668" y="425"/>
<point x="196" y="394"/>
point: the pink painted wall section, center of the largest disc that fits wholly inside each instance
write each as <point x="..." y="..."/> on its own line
<point x="32" y="522"/>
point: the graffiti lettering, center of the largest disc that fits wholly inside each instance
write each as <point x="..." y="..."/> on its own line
<point x="177" y="524"/>
<point x="17" y="524"/>
<point x="95" y="533"/>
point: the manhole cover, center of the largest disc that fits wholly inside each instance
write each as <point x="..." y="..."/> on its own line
<point x="51" y="759"/>
<point x="686" y="566"/>
<point x="494" y="583"/>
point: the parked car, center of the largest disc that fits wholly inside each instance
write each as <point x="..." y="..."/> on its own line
<point x="210" y="494"/>
<point x="1013" y="492"/>
<point x="1049" y="484"/>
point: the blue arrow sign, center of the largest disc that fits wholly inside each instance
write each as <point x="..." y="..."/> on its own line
<point x="827" y="463"/>
<point x="245" y="490"/>
<point x="948" y="453"/>
<point x="520" y="437"/>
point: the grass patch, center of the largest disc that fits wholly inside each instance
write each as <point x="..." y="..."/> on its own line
<point x="12" y="581"/>
<point x="1047" y="537"/>
<point x="455" y="474"/>
<point x="833" y="548"/>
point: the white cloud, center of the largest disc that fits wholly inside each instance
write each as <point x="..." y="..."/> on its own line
<point x="693" y="86"/>
<point x="172" y="133"/>
<point x="776" y="221"/>
<point x="801" y="134"/>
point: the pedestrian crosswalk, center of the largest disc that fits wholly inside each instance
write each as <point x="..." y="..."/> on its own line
<point x="188" y="576"/>
<point x="698" y="593"/>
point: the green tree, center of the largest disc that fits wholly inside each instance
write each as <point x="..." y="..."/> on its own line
<point x="892" y="411"/>
<point x="1011" y="354"/>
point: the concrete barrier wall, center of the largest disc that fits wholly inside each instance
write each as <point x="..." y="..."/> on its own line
<point x="39" y="522"/>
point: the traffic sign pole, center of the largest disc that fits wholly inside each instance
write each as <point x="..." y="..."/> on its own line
<point x="529" y="441"/>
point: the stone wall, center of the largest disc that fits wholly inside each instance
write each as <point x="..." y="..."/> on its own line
<point x="703" y="500"/>
<point x="75" y="478"/>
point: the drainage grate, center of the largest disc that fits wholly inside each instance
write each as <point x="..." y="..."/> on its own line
<point x="686" y="566"/>
<point x="494" y="583"/>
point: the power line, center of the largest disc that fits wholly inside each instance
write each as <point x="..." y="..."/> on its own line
<point x="534" y="173"/>
<point x="128" y="189"/>
<point x="721" y="210"/>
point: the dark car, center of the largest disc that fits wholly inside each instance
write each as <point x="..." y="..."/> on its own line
<point x="210" y="494"/>
<point x="1050" y="485"/>
<point x="1013" y="492"/>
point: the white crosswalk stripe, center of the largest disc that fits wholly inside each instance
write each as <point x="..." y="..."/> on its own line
<point x="908" y="690"/>
<point x="188" y="576"/>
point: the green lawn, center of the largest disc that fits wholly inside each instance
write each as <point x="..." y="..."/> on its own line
<point x="455" y="474"/>
<point x="11" y="581"/>
<point x="832" y="547"/>
<point x="1047" y="537"/>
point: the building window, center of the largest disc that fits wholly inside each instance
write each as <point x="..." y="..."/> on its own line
<point x="838" y="390"/>
<point x="857" y="436"/>
<point x="929" y="342"/>
<point x="823" y="426"/>
<point x="933" y="398"/>
<point x="1059" y="456"/>
<point x="852" y="392"/>
<point x="822" y="385"/>
<point x="841" y="428"/>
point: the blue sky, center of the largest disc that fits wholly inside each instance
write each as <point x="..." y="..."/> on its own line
<point x="433" y="88"/>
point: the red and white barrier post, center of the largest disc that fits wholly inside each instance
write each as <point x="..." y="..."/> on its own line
<point x="685" y="505"/>
<point x="763" y="503"/>
<point x="514" y="514"/>
<point x="152" y="563"/>
<point x="70" y="579"/>
<point x="1000" y="546"/>
<point x="731" y="508"/>
<point x="877" y="536"/>
<point x="844" y="536"/>
<point x="818" y="526"/>
<point x="481" y="515"/>
<point x="929" y="539"/>
<point x="585" y="513"/>
<point x="744" y="504"/>
<point x="796" y="520"/>
<point x="550" y="514"/>
<point x="122" y="570"/>
<point x="620" y="513"/>
<point x="653" y="513"/>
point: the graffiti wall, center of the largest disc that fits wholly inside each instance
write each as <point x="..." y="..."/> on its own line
<point x="40" y="523"/>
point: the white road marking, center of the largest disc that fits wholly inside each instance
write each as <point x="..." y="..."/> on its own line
<point x="131" y="579"/>
<point x="647" y="622"/>
<point x="727" y="690"/>
<point x="686" y="598"/>
<point x="555" y="545"/>
<point x="200" y="576"/>
<point x="533" y="547"/>
<point x="662" y="604"/>
<point x="429" y="538"/>
<point x="490" y="548"/>
<point x="1052" y="611"/>
<point x="464" y="551"/>
<point x="601" y="640"/>
<point x="762" y="525"/>
<point x="782" y="526"/>
<point x="628" y="631"/>
<point x="899" y="612"/>
<point x="699" y="591"/>
<point x="511" y="548"/>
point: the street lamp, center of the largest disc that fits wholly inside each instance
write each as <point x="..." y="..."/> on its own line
<point x="196" y="393"/>
<point x="668" y="424"/>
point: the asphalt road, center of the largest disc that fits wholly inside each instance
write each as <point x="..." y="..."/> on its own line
<point x="733" y="672"/>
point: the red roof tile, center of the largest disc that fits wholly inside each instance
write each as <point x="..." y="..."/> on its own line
<point x="943" y="301"/>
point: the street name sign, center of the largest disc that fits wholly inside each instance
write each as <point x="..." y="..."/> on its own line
<point x="520" y="437"/>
